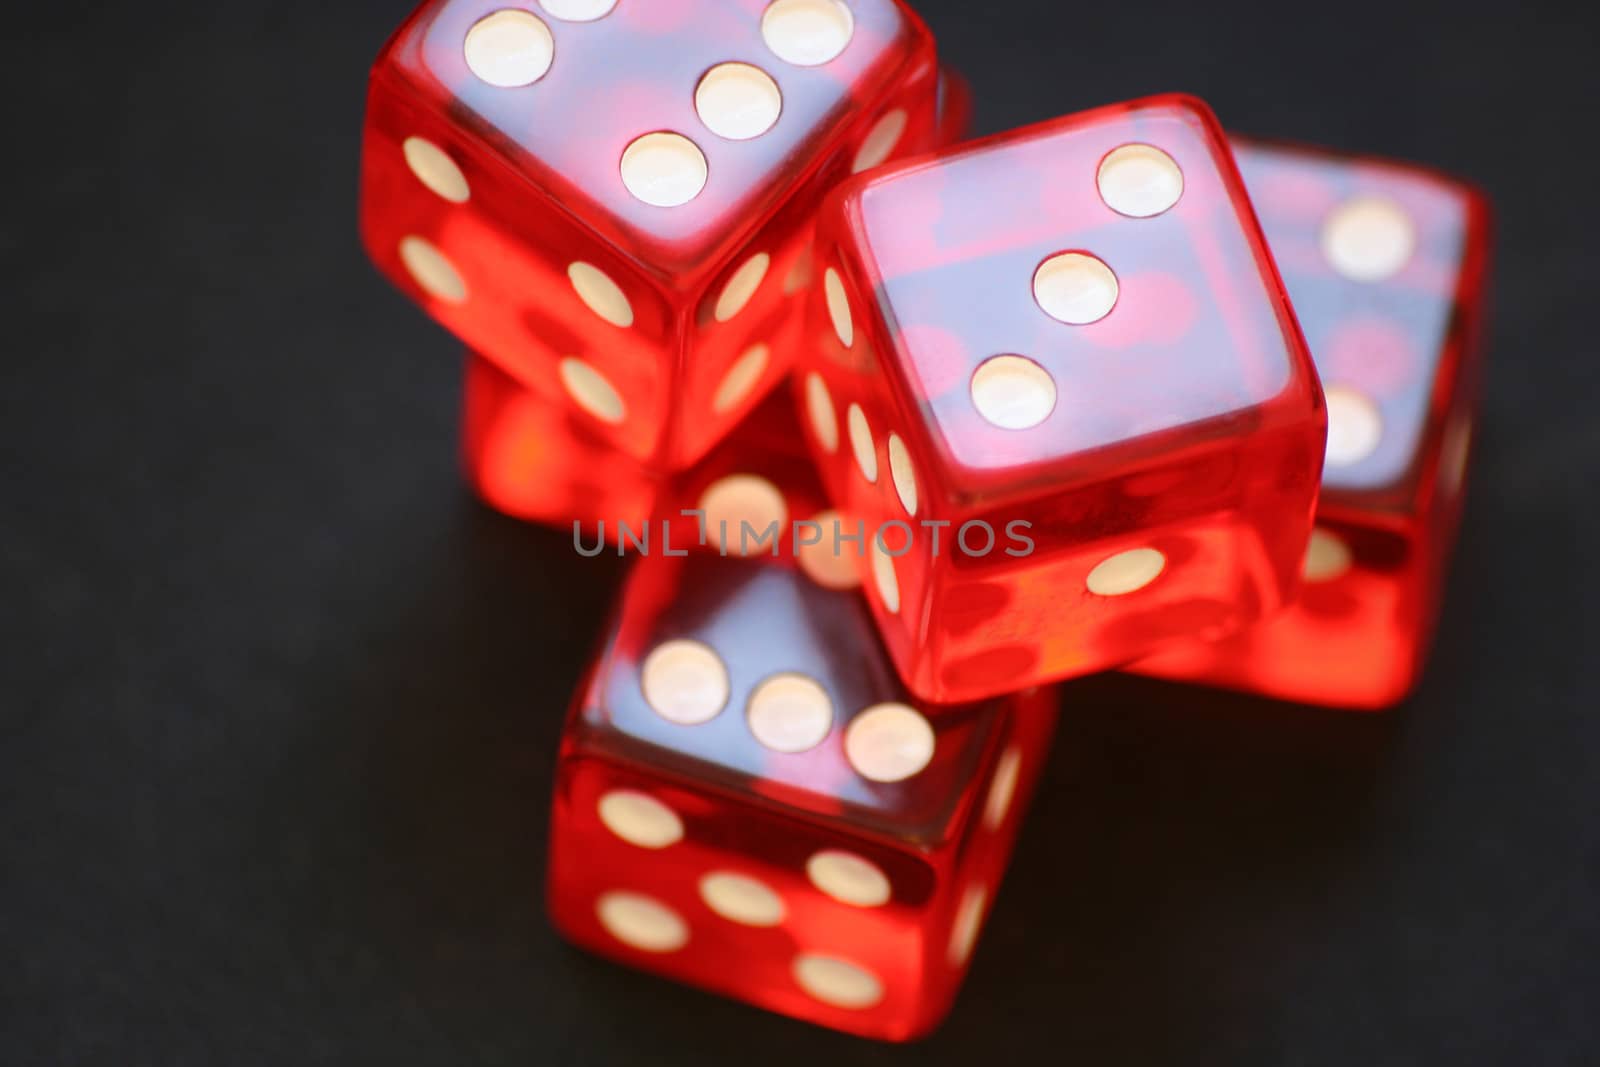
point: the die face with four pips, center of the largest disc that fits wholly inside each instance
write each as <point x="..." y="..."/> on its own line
<point x="614" y="200"/>
<point x="750" y="801"/>
<point x="1076" y="326"/>
<point x="1386" y="264"/>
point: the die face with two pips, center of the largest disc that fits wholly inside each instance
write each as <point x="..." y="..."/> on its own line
<point x="1386" y="264"/>
<point x="1076" y="326"/>
<point x="749" y="800"/>
<point x="614" y="201"/>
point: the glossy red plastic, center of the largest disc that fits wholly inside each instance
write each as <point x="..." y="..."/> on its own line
<point x="1386" y="264"/>
<point x="537" y="460"/>
<point x="548" y="223"/>
<point x="1129" y="472"/>
<point x="749" y="801"/>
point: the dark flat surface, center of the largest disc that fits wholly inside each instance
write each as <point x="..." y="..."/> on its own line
<point x="280" y="701"/>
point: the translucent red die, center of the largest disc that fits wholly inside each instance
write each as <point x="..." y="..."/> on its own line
<point x="755" y="494"/>
<point x="749" y="801"/>
<point x="1057" y="369"/>
<point x="613" y="201"/>
<point x="1386" y="265"/>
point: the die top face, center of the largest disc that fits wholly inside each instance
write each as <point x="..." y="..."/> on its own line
<point x="751" y="678"/>
<point x="670" y="126"/>
<point x="1074" y="287"/>
<point x="1385" y="264"/>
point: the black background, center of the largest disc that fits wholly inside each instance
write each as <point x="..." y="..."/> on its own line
<point x="280" y="700"/>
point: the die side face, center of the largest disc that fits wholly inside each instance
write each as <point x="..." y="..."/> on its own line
<point x="534" y="458"/>
<point x="1356" y="638"/>
<point x="531" y="457"/>
<point x="744" y="862"/>
<point x="1076" y="328"/>
<point x="654" y="266"/>
<point x="1385" y="263"/>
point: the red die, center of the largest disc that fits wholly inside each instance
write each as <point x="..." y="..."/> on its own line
<point x="537" y="460"/>
<point x="540" y="460"/>
<point x="1058" y="370"/>
<point x="748" y="801"/>
<point x="614" y="201"/>
<point x="1386" y="264"/>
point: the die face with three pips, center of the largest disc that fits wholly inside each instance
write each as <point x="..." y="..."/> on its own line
<point x="1076" y="326"/>
<point x="614" y="201"/>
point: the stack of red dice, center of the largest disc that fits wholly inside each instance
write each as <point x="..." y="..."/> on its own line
<point x="1050" y="411"/>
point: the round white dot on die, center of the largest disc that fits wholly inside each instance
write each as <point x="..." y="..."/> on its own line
<point x="1013" y="392"/>
<point x="600" y="294"/>
<point x="807" y="33"/>
<point x="1139" y="180"/>
<point x="740" y="379"/>
<point x="822" y="560"/>
<point x="742" y="899"/>
<point x="432" y="270"/>
<point x="1354" y="426"/>
<point x="737" y="101"/>
<point x="903" y="474"/>
<point x="880" y="141"/>
<point x="1003" y="788"/>
<point x="789" y="712"/>
<point x="591" y="391"/>
<point x="861" y="442"/>
<point x="640" y="819"/>
<point x="888" y="742"/>
<point x="578" y="10"/>
<point x="838" y="307"/>
<point x="664" y="169"/>
<point x="837" y="982"/>
<point x="964" y="930"/>
<point x="684" y="682"/>
<point x="641" y="922"/>
<point x="819" y="409"/>
<point x="509" y="48"/>
<point x="1126" y="572"/>
<point x="743" y="498"/>
<point x="1075" y="287"/>
<point x="1327" y="556"/>
<point x="436" y="170"/>
<point x="848" y="878"/>
<point x="1368" y="239"/>
<point x="741" y="286"/>
<point x="884" y="578"/>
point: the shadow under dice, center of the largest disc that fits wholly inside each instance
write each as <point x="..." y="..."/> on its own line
<point x="1385" y="263"/>
<point x="1056" y="370"/>
<point x="749" y="801"/>
<point x="613" y="201"/>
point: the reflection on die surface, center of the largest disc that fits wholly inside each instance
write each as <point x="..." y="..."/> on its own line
<point x="1386" y="265"/>
<point x="615" y="198"/>
<point x="1075" y="325"/>
<point x="748" y="800"/>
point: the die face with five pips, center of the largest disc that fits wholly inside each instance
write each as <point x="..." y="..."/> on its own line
<point x="1386" y="265"/>
<point x="749" y="800"/>
<point x="1076" y="326"/>
<point x="614" y="201"/>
